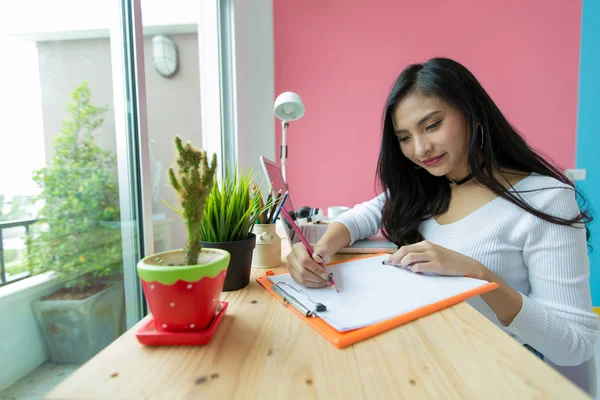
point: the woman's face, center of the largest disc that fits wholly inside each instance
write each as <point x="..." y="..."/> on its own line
<point x="433" y="135"/>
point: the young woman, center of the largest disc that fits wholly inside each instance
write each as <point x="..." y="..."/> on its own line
<point x="465" y="195"/>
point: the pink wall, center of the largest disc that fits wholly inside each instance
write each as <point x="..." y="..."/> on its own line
<point x="342" y="56"/>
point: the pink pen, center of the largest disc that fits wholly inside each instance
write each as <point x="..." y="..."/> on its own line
<point x="287" y="216"/>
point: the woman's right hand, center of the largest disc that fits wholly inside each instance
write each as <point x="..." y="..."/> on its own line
<point x="306" y="270"/>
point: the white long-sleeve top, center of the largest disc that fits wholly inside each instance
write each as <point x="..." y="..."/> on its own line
<point x="546" y="263"/>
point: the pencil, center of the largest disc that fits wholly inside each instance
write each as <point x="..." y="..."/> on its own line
<point x="331" y="282"/>
<point x="280" y="206"/>
<point x="274" y="208"/>
<point x="260" y="204"/>
<point x="265" y="212"/>
<point x="254" y="204"/>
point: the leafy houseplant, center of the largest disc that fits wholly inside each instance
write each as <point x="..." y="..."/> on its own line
<point x="229" y="210"/>
<point x="183" y="286"/>
<point x="229" y="216"/>
<point x="76" y="188"/>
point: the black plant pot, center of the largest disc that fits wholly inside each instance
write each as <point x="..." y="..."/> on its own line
<point x="240" y="265"/>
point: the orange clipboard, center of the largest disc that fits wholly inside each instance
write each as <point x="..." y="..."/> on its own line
<point x="344" y="339"/>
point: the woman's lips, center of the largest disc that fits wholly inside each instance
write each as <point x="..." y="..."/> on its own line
<point x="432" y="161"/>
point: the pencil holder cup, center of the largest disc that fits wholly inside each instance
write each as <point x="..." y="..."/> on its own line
<point x="267" y="253"/>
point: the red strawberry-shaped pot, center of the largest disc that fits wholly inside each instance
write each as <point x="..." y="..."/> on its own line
<point x="183" y="298"/>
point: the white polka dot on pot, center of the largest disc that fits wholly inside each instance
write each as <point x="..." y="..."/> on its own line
<point x="172" y="304"/>
<point x="192" y="326"/>
<point x="189" y="286"/>
<point x="164" y="326"/>
<point x="151" y="286"/>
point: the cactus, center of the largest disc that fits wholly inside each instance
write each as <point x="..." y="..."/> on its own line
<point x="193" y="180"/>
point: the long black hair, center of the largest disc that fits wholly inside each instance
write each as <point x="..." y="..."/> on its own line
<point x="413" y="195"/>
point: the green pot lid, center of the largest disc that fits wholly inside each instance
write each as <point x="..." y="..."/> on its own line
<point x="150" y="269"/>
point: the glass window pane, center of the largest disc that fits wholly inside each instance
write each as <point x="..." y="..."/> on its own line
<point x="173" y="104"/>
<point x="61" y="256"/>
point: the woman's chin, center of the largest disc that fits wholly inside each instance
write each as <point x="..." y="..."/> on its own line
<point x="437" y="170"/>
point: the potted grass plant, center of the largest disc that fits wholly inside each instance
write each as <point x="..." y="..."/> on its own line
<point x="183" y="286"/>
<point x="230" y="213"/>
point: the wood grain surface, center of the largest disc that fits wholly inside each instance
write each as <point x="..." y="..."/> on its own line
<point x="264" y="351"/>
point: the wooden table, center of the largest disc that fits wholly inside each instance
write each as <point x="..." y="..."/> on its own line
<point x="264" y="351"/>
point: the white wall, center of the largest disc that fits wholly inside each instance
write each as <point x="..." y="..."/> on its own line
<point x="22" y="346"/>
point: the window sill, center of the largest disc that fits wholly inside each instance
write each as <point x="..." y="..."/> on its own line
<point x="36" y="284"/>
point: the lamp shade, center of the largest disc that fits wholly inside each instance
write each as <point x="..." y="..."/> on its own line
<point x="288" y="107"/>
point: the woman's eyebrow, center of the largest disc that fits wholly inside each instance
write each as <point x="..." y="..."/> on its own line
<point x="421" y="121"/>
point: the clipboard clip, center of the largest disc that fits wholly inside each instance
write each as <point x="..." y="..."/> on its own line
<point x="291" y="300"/>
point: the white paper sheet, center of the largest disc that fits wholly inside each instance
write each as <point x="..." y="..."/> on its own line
<point x="371" y="292"/>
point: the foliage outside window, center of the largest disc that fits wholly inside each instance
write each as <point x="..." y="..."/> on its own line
<point x="78" y="190"/>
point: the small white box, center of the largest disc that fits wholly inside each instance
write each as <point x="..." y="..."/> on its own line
<point x="576" y="174"/>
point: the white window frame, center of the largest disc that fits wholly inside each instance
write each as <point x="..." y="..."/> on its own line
<point x="133" y="155"/>
<point x="253" y="82"/>
<point x="236" y="44"/>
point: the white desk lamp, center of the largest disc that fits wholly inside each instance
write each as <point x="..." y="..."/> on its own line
<point x="288" y="107"/>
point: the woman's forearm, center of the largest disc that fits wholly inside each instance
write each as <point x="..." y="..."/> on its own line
<point x="336" y="237"/>
<point x="504" y="301"/>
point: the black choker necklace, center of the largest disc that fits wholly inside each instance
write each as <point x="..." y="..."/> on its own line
<point x="467" y="179"/>
<point x="464" y="180"/>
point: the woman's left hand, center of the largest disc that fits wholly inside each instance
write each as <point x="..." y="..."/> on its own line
<point x="431" y="258"/>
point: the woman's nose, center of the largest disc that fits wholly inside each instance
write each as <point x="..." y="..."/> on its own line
<point x="422" y="147"/>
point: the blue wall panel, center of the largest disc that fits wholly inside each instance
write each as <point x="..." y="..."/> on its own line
<point x="588" y="128"/>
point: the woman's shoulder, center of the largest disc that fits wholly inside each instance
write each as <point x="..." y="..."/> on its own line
<point x="537" y="182"/>
<point x="547" y="194"/>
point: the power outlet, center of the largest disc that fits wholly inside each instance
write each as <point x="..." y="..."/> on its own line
<point x="576" y="174"/>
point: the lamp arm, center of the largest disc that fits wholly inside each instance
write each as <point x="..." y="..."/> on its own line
<point x="283" y="149"/>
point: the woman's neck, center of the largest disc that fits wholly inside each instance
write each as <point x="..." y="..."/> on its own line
<point x="465" y="177"/>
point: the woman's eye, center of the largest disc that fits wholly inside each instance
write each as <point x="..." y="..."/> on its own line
<point x="433" y="126"/>
<point x="403" y="138"/>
